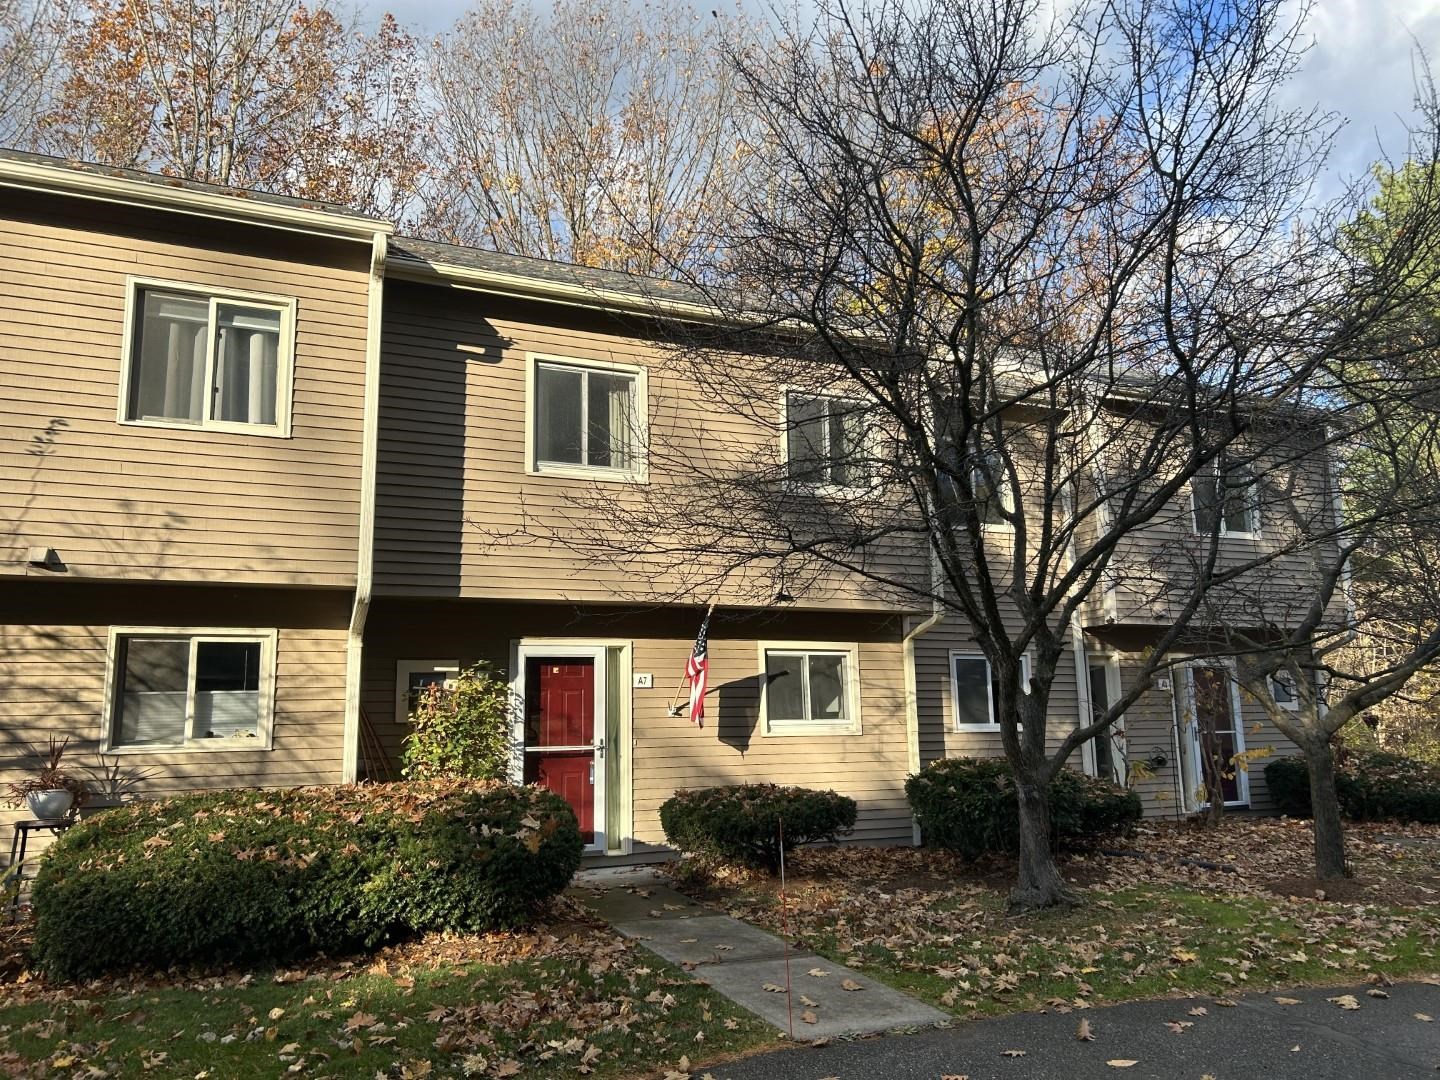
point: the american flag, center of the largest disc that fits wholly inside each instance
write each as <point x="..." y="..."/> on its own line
<point x="697" y="670"/>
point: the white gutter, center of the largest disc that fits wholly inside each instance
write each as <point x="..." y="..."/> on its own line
<point x="365" y="566"/>
<point x="576" y="294"/>
<point x="215" y="205"/>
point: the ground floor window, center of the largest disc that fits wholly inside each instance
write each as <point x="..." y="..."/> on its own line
<point x="810" y="689"/>
<point x="974" y="693"/>
<point x="415" y="677"/>
<point x="190" y="688"/>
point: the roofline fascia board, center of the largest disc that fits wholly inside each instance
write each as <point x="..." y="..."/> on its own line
<point x="57" y="180"/>
<point x="522" y="287"/>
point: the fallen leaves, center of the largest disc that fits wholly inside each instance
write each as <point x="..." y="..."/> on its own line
<point x="1345" y="1001"/>
<point x="1083" y="1031"/>
<point x="851" y="985"/>
<point x="1122" y="1063"/>
<point x="1287" y="1001"/>
<point x="1012" y="1053"/>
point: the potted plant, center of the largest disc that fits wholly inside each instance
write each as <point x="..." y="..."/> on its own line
<point x="52" y="793"/>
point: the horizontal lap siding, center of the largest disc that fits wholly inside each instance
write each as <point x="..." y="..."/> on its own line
<point x="131" y="502"/>
<point x="458" y="515"/>
<point x="52" y="682"/>
<point x="935" y="706"/>
<point x="668" y="752"/>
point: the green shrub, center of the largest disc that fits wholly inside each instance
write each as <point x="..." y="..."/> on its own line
<point x="1288" y="780"/>
<point x="1372" y="786"/>
<point x="969" y="806"/>
<point x="741" y="824"/>
<point x="460" y="732"/>
<point x="267" y="876"/>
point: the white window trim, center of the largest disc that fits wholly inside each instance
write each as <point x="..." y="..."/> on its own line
<point x="1110" y="661"/>
<point x="268" y="639"/>
<point x="972" y="654"/>
<point x="1293" y="705"/>
<point x="1007" y="503"/>
<point x="404" y="669"/>
<point x="867" y="483"/>
<point x="791" y="728"/>
<point x="1191" y="723"/>
<point x="639" y="473"/>
<point x="1252" y="512"/>
<point x="285" y="359"/>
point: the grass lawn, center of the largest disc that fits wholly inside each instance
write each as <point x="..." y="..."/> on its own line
<point x="930" y="924"/>
<point x="570" y="998"/>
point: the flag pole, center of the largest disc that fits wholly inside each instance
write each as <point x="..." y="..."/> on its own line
<point x="674" y="709"/>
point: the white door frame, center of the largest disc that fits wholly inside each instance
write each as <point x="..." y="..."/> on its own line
<point x="1111" y="662"/>
<point x="524" y="648"/>
<point x="1196" y="780"/>
<point x="528" y="649"/>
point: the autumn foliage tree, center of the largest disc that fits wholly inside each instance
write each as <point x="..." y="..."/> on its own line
<point x="270" y="94"/>
<point x="605" y="134"/>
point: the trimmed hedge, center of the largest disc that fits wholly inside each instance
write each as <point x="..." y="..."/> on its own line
<point x="969" y="806"/>
<point x="1372" y="786"/>
<point x="741" y="824"/>
<point x="267" y="876"/>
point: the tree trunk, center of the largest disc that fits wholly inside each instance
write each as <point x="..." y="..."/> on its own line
<point x="1325" y="810"/>
<point x="1040" y="884"/>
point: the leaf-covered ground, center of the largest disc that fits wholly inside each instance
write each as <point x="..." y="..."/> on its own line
<point x="1197" y="912"/>
<point x="570" y="998"/>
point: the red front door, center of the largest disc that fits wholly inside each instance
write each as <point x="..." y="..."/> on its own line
<point x="560" y="732"/>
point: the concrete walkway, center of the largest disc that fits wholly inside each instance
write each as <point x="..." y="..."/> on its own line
<point x="740" y="961"/>
<point x="1258" y="1038"/>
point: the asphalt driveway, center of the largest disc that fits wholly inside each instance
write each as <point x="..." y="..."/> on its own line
<point x="1255" y="1039"/>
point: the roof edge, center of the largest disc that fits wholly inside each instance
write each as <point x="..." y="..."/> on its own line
<point x="596" y="298"/>
<point x="217" y="205"/>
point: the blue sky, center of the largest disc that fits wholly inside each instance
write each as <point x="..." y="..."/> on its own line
<point x="1360" y="65"/>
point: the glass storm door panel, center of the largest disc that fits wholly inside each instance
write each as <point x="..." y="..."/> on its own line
<point x="1215" y="727"/>
<point x="560" y="746"/>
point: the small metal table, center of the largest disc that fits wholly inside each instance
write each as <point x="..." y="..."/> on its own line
<point x="18" y="845"/>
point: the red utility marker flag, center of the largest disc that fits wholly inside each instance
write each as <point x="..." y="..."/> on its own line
<point x="697" y="670"/>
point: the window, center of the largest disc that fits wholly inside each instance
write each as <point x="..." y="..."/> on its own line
<point x="208" y="360"/>
<point x="415" y="677"/>
<point x="810" y="689"/>
<point x="990" y="482"/>
<point x="587" y="419"/>
<point x="190" y="689"/>
<point x="1282" y="689"/>
<point x="1229" y="495"/>
<point x="974" y="691"/>
<point x="824" y="440"/>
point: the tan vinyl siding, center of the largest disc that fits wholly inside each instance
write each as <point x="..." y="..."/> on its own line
<point x="457" y="512"/>
<point x="935" y="707"/>
<point x="143" y="503"/>
<point x="668" y="752"/>
<point x="52" y="682"/>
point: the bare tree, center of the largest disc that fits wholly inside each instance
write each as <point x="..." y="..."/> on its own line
<point x="1017" y="287"/>
<point x="604" y="134"/>
<point x="29" y="45"/>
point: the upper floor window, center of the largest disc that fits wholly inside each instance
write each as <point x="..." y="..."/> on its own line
<point x="989" y="480"/>
<point x="824" y="440"/>
<point x="587" y="418"/>
<point x="190" y="689"/>
<point x="1225" y="501"/>
<point x="208" y="360"/>
<point x="1283" y="689"/>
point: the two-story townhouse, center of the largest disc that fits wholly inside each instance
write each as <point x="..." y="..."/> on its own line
<point x="184" y="474"/>
<point x="254" y="504"/>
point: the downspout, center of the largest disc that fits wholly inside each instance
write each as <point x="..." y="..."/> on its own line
<point x="912" y="698"/>
<point x="365" y="568"/>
